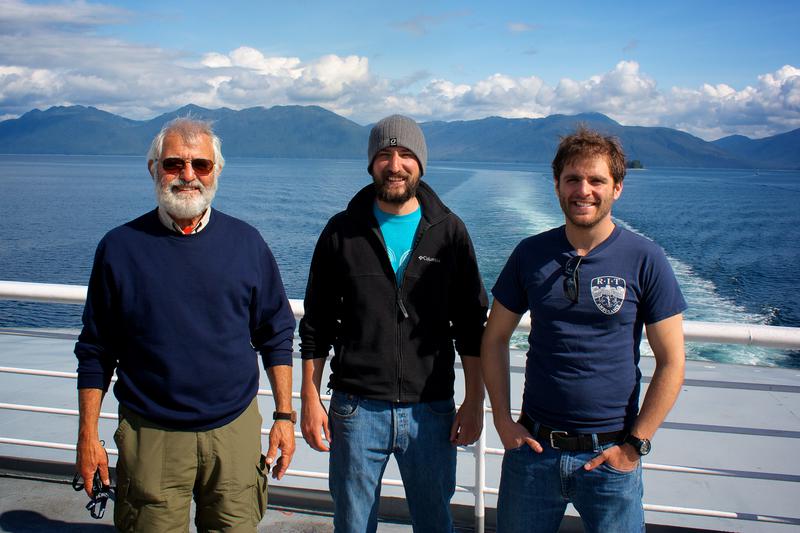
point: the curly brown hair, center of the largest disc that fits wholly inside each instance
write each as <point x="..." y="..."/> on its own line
<point x="586" y="142"/>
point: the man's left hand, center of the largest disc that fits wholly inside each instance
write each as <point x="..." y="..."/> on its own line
<point x="468" y="423"/>
<point x="280" y="436"/>
<point x="620" y="457"/>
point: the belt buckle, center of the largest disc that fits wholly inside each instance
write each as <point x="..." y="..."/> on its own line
<point x="562" y="434"/>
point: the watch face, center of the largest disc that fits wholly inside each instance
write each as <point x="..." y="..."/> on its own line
<point x="642" y="446"/>
<point x="644" y="449"/>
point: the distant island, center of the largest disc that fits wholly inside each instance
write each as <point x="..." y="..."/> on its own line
<point x="634" y="163"/>
<point x="314" y="132"/>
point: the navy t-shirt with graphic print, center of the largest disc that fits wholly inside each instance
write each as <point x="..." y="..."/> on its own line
<point x="582" y="366"/>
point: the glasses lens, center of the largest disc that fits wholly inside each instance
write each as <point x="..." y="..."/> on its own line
<point x="202" y="166"/>
<point x="570" y="290"/>
<point x="176" y="164"/>
<point x="571" y="280"/>
<point x="172" y="164"/>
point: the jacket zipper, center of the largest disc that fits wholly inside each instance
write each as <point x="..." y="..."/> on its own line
<point x="417" y="238"/>
<point x="399" y="299"/>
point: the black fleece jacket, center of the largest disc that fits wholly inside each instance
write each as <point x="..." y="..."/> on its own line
<point x="393" y="343"/>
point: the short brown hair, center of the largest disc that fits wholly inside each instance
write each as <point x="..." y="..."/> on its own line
<point x="589" y="143"/>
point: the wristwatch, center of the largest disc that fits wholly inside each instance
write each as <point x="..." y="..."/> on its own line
<point x="642" y="446"/>
<point x="291" y="417"/>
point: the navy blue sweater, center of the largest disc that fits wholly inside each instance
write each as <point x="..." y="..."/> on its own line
<point x="180" y="318"/>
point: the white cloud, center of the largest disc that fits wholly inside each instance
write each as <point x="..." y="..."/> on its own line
<point x="771" y="106"/>
<point x="252" y="59"/>
<point x="68" y="63"/>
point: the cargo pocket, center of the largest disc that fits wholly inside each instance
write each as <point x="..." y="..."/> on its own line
<point x="124" y="513"/>
<point x="260" y="503"/>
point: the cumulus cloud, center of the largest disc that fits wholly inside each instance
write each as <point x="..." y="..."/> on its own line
<point x="770" y="106"/>
<point x="66" y="63"/>
<point x="627" y="95"/>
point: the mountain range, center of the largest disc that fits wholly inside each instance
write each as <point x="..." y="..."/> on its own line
<point x="314" y="132"/>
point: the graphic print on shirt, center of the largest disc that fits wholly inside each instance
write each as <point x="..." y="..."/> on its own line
<point x="398" y="266"/>
<point x="404" y="260"/>
<point x="608" y="293"/>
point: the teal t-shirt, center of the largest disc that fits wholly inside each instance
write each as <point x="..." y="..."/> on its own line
<point x="398" y="234"/>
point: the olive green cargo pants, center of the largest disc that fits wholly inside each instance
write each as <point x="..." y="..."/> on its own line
<point x="159" y="470"/>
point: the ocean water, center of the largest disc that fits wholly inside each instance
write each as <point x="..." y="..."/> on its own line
<point x="731" y="235"/>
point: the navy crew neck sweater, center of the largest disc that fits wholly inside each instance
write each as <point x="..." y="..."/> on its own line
<point x="180" y="317"/>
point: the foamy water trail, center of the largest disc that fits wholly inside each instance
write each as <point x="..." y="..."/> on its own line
<point x="530" y="201"/>
<point x="706" y="304"/>
<point x="533" y="203"/>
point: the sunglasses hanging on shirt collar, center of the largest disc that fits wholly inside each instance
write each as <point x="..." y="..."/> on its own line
<point x="572" y="278"/>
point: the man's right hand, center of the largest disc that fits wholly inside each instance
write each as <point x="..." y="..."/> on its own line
<point x="313" y="417"/>
<point x="513" y="435"/>
<point x="91" y="457"/>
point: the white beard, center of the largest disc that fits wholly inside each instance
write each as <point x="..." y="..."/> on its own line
<point x="184" y="206"/>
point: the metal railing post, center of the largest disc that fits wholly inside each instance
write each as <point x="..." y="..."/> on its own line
<point x="479" y="450"/>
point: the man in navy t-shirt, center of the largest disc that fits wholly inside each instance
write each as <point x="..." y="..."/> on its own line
<point x="590" y="287"/>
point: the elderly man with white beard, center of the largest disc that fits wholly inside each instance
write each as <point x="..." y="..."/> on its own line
<point x="180" y="301"/>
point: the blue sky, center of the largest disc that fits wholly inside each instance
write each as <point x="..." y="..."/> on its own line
<point x="709" y="68"/>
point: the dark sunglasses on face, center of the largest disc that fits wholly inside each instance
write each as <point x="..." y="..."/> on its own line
<point x="571" y="278"/>
<point x="176" y="164"/>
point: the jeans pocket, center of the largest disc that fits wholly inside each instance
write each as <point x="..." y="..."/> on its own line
<point x="608" y="468"/>
<point x="518" y="449"/>
<point x="344" y="405"/>
<point x="442" y="407"/>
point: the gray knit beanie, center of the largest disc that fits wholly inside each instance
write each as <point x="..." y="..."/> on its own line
<point x="397" y="130"/>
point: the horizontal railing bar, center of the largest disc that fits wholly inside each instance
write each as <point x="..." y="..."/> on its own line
<point x="114" y="451"/>
<point x="42" y="292"/>
<point x="694" y="331"/>
<point x="50" y="410"/>
<point x="733" y="430"/>
<point x="694" y="470"/>
<point x="486" y="490"/>
<point x="70" y="294"/>
<point x="45" y="444"/>
<point x="793" y="389"/>
<point x="33" y="372"/>
<point x="488" y="451"/>
<point x="751" y="517"/>
<point x="771" y="476"/>
<point x="701" y="512"/>
<point x="112" y="416"/>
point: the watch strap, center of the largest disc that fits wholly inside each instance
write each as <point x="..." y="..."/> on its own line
<point x="288" y="416"/>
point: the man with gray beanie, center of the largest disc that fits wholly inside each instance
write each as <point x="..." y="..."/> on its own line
<point x="394" y="288"/>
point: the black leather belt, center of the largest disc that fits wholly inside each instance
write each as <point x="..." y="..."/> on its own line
<point x="566" y="441"/>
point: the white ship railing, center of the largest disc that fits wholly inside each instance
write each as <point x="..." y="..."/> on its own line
<point x="694" y="331"/>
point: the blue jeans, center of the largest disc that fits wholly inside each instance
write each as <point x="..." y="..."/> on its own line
<point x="535" y="489"/>
<point x="364" y="434"/>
